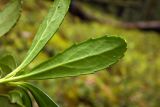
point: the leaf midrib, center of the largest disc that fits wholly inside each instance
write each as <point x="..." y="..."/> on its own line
<point x="71" y="61"/>
<point x="41" y="36"/>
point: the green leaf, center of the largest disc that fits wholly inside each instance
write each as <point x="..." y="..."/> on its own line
<point x="5" y="102"/>
<point x="84" y="58"/>
<point x="9" y="61"/>
<point x="26" y="99"/>
<point x="42" y="99"/>
<point x="4" y="70"/>
<point x="47" y="29"/>
<point x="9" y="16"/>
<point x="20" y="97"/>
<point x="7" y="64"/>
<point x="15" y="97"/>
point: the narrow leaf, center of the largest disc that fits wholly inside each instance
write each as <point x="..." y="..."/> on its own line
<point x="47" y="29"/>
<point x="9" y="16"/>
<point x="26" y="98"/>
<point x="84" y="58"/>
<point x="42" y="99"/>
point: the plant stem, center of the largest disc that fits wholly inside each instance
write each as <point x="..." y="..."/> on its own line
<point x="12" y="74"/>
<point x="12" y="79"/>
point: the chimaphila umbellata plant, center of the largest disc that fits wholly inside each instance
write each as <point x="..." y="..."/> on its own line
<point x="83" y="58"/>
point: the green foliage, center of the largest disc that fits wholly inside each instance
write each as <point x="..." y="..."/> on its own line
<point x="46" y="30"/>
<point x="7" y="64"/>
<point x="9" y="61"/>
<point x="84" y="58"/>
<point x="132" y="81"/>
<point x="41" y="98"/>
<point x="6" y="102"/>
<point x="15" y="97"/>
<point x="9" y="16"/>
<point x="20" y="97"/>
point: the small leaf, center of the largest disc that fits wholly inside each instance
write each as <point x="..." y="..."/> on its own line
<point x="4" y="101"/>
<point x="15" y="97"/>
<point x="9" y="16"/>
<point x="42" y="99"/>
<point x="47" y="29"/>
<point x="84" y="58"/>
<point x="9" y="61"/>
<point x="4" y="70"/>
<point x="7" y="64"/>
<point x="20" y="97"/>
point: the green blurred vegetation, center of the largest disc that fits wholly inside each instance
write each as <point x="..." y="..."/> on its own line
<point x="133" y="82"/>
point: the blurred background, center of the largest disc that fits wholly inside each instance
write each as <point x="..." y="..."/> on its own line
<point x="133" y="82"/>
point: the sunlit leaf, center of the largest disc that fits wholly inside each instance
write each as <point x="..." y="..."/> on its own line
<point x="9" y="16"/>
<point x="42" y="99"/>
<point x="84" y="58"/>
